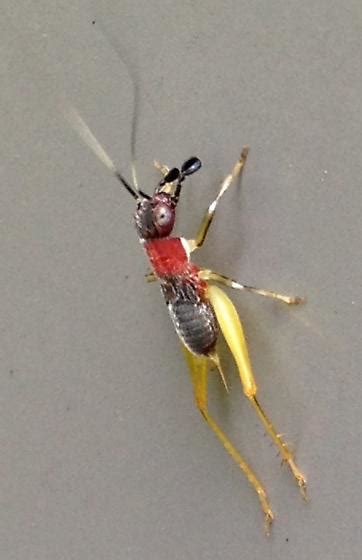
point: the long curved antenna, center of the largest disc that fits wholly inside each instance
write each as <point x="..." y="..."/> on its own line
<point x="136" y="101"/>
<point x="80" y="127"/>
<point x="134" y="131"/>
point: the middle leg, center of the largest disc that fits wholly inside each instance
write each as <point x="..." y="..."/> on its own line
<point x="206" y="274"/>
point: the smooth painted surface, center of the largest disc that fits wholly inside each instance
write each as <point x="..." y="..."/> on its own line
<point x="103" y="454"/>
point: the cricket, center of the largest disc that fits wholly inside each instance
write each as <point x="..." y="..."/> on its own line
<point x="199" y="308"/>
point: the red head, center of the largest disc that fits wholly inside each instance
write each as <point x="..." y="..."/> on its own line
<point x="155" y="216"/>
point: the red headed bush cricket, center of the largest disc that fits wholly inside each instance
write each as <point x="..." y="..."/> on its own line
<point x="198" y="308"/>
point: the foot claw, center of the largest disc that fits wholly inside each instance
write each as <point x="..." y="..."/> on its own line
<point x="244" y="153"/>
<point x="302" y="483"/>
<point x="296" y="300"/>
<point x="268" y="520"/>
<point x="300" y="478"/>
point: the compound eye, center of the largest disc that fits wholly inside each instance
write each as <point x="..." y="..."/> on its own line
<point x="163" y="215"/>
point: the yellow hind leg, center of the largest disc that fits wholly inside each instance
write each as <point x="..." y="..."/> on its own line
<point x="232" y="330"/>
<point x="199" y="366"/>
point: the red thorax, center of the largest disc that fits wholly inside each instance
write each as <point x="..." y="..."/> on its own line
<point x="168" y="257"/>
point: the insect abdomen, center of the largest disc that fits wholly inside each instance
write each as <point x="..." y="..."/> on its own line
<point x="192" y="315"/>
<point x="195" y="325"/>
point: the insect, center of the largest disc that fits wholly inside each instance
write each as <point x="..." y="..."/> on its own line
<point x="198" y="307"/>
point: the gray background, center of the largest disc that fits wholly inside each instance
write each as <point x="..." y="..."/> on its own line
<point x="103" y="454"/>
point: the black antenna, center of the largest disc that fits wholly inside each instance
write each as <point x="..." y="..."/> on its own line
<point x="189" y="167"/>
<point x="126" y="185"/>
<point x="136" y="100"/>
